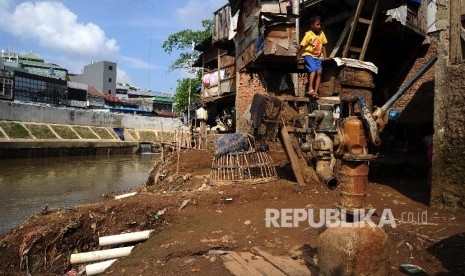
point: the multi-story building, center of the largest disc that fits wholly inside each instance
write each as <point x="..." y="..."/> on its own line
<point x="6" y="82"/>
<point x="100" y="74"/>
<point x="28" y="78"/>
<point x="33" y="64"/>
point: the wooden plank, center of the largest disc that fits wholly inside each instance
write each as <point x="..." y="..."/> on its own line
<point x="455" y="44"/>
<point x="355" y="49"/>
<point x="353" y="27"/>
<point x="286" y="265"/>
<point x="234" y="267"/>
<point x="364" y="21"/>
<point x="295" y="99"/>
<point x="370" y="30"/>
<point x="261" y="265"/>
<point x="251" y="270"/>
<point x="292" y="156"/>
<point x="341" y="38"/>
<point x="329" y="100"/>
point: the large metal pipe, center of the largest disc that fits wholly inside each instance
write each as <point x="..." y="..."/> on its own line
<point x="323" y="170"/>
<point x="354" y="182"/>
<point x="405" y="87"/>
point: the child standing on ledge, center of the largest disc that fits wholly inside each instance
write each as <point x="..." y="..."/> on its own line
<point x="312" y="49"/>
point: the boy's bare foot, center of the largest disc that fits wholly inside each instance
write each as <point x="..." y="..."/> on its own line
<point x="313" y="94"/>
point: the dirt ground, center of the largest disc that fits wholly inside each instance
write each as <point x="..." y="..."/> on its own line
<point x="230" y="217"/>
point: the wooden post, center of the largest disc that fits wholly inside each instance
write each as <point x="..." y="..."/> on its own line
<point x="202" y="132"/>
<point x="455" y="53"/>
<point x="206" y="139"/>
<point x="179" y="153"/>
<point x="293" y="159"/>
<point x="162" y="146"/>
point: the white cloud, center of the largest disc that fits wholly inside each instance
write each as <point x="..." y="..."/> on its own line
<point x="192" y="14"/>
<point x="54" y="26"/>
<point x="135" y="62"/>
<point x="122" y="76"/>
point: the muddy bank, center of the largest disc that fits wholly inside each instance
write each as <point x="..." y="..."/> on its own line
<point x="227" y="217"/>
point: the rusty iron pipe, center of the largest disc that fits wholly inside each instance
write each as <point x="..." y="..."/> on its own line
<point x="324" y="172"/>
<point x="354" y="182"/>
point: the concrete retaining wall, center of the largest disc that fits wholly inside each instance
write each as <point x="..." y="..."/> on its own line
<point x="11" y="111"/>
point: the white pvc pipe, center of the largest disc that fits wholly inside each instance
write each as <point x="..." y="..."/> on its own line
<point x="97" y="268"/>
<point x="124" y="238"/>
<point x="125" y="195"/>
<point x="100" y="255"/>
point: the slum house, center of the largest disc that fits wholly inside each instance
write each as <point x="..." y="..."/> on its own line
<point x="398" y="37"/>
<point x="77" y="94"/>
<point x="217" y="93"/>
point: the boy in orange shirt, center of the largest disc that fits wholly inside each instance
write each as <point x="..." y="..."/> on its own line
<point x="312" y="49"/>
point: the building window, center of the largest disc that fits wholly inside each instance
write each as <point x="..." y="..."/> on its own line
<point x="109" y="79"/>
<point x="110" y="67"/>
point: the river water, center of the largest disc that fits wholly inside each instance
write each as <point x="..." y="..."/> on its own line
<point x="28" y="185"/>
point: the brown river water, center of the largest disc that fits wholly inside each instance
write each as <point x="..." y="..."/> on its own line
<point x="28" y="185"/>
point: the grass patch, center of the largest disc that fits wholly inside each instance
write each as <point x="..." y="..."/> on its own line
<point x="168" y="136"/>
<point x="15" y="130"/>
<point x="85" y="132"/>
<point x="148" y="135"/>
<point x="103" y="133"/>
<point x="65" y="132"/>
<point x="133" y="133"/>
<point x="41" y="131"/>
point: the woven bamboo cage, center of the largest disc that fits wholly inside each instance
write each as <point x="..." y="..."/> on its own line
<point x="250" y="167"/>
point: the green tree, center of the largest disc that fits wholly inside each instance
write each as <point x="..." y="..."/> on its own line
<point x="181" y="96"/>
<point x="181" y="42"/>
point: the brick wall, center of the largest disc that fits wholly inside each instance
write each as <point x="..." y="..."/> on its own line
<point x="417" y="104"/>
<point x="247" y="86"/>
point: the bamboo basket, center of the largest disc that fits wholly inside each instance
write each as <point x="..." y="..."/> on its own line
<point x="250" y="167"/>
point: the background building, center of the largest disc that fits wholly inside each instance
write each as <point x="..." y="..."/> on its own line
<point x="100" y="74"/>
<point x="33" y="64"/>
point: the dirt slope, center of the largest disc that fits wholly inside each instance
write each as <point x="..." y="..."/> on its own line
<point x="228" y="217"/>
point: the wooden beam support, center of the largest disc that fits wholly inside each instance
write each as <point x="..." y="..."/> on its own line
<point x="341" y="38"/>
<point x="292" y="156"/>
<point x="455" y="50"/>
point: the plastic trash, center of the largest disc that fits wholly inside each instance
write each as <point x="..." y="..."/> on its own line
<point x="412" y="269"/>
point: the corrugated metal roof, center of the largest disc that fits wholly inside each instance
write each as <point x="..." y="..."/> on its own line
<point x="40" y="64"/>
<point x="92" y="90"/>
<point x="31" y="57"/>
<point x="162" y="99"/>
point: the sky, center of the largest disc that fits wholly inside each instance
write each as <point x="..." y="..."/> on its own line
<point x="72" y="33"/>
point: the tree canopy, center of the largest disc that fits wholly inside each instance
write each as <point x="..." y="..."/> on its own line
<point x="181" y="96"/>
<point x="182" y="42"/>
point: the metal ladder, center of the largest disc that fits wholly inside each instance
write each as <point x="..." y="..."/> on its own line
<point x="356" y="19"/>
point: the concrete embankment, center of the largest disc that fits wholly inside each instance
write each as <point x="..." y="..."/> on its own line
<point x="41" y="131"/>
